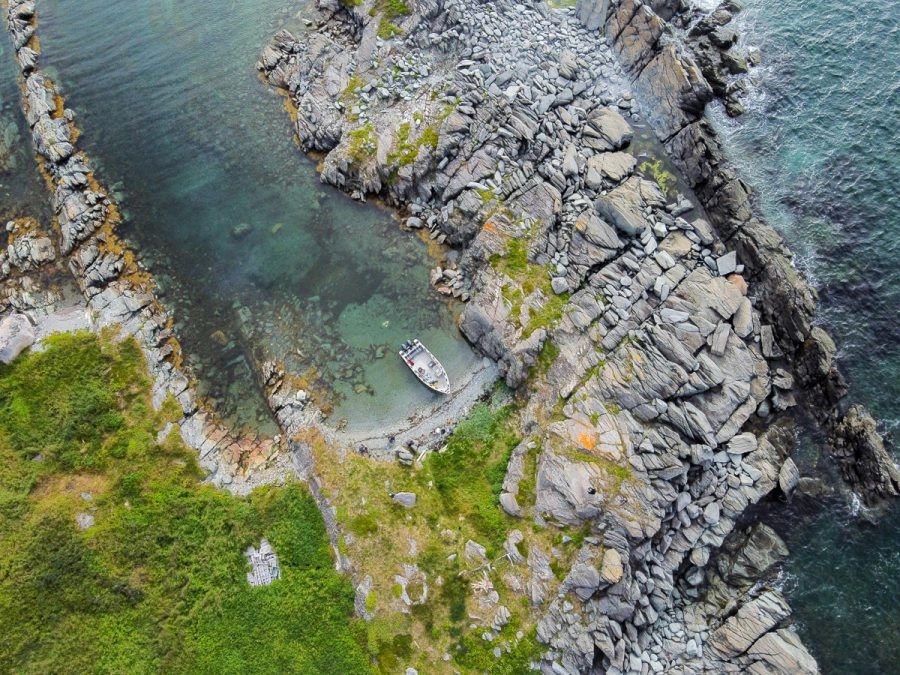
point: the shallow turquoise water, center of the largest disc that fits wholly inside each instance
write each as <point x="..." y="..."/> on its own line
<point x="821" y="148"/>
<point x="196" y="146"/>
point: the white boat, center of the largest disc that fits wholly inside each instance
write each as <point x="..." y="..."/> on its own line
<point x="425" y="366"/>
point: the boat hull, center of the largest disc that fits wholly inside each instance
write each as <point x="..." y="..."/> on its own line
<point x="427" y="369"/>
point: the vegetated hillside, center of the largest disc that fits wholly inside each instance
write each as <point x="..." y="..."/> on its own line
<point x="115" y="558"/>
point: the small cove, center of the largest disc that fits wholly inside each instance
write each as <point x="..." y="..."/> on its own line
<point x="255" y="257"/>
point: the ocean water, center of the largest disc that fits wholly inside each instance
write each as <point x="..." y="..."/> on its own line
<point x="22" y="190"/>
<point x="256" y="258"/>
<point x="820" y="146"/>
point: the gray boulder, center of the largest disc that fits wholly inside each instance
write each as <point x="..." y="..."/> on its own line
<point x="788" y="477"/>
<point x="407" y="499"/>
<point x="592" y="13"/>
<point x="624" y="206"/>
<point x="607" y="130"/>
<point x="752" y="620"/>
<point x="16" y="334"/>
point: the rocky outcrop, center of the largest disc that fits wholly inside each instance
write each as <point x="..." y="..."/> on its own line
<point x="863" y="457"/>
<point x="786" y="302"/>
<point x="644" y="416"/>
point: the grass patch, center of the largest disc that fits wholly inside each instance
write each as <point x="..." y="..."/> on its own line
<point x="548" y="313"/>
<point x="354" y="84"/>
<point x="405" y="151"/>
<point x="477" y="654"/>
<point x="394" y="9"/>
<point x="528" y="278"/>
<point x="388" y="29"/>
<point x="545" y="358"/>
<point x="469" y="474"/>
<point x="362" y="143"/>
<point x="158" y="583"/>
<point x="363" y="525"/>
<point x="528" y="485"/>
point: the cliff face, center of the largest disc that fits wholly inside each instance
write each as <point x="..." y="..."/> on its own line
<point x="784" y="299"/>
<point x="649" y="326"/>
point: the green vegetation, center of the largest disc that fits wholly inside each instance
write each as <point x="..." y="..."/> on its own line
<point x="619" y="473"/>
<point x="528" y="484"/>
<point x="487" y="195"/>
<point x="561" y="4"/>
<point x="663" y="178"/>
<point x="406" y="151"/>
<point x="390" y="10"/>
<point x="158" y="583"/>
<point x="457" y="499"/>
<point x="394" y="9"/>
<point x="545" y="358"/>
<point x="354" y="84"/>
<point x="388" y="29"/>
<point x="478" y="654"/>
<point x="528" y="278"/>
<point x="469" y="473"/>
<point x="362" y="143"/>
<point x="430" y="136"/>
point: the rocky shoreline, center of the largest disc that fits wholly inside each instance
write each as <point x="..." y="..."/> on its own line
<point x="87" y="277"/>
<point x="657" y="326"/>
<point x="677" y="330"/>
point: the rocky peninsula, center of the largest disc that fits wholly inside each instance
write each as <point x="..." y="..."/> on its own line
<point x="651" y="329"/>
<point x="661" y="334"/>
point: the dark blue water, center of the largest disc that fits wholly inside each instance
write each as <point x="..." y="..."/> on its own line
<point x="820" y="145"/>
<point x="256" y="257"/>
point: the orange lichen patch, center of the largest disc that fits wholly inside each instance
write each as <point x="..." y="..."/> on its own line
<point x="60" y="103"/>
<point x="74" y="132"/>
<point x="738" y="281"/>
<point x="587" y="440"/>
<point x="490" y="227"/>
<point x="48" y="179"/>
<point x="288" y="105"/>
<point x="24" y="226"/>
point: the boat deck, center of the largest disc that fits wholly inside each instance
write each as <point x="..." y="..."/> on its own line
<point x="426" y="367"/>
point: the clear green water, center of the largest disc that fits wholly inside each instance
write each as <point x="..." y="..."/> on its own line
<point x="821" y="148"/>
<point x="195" y="146"/>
